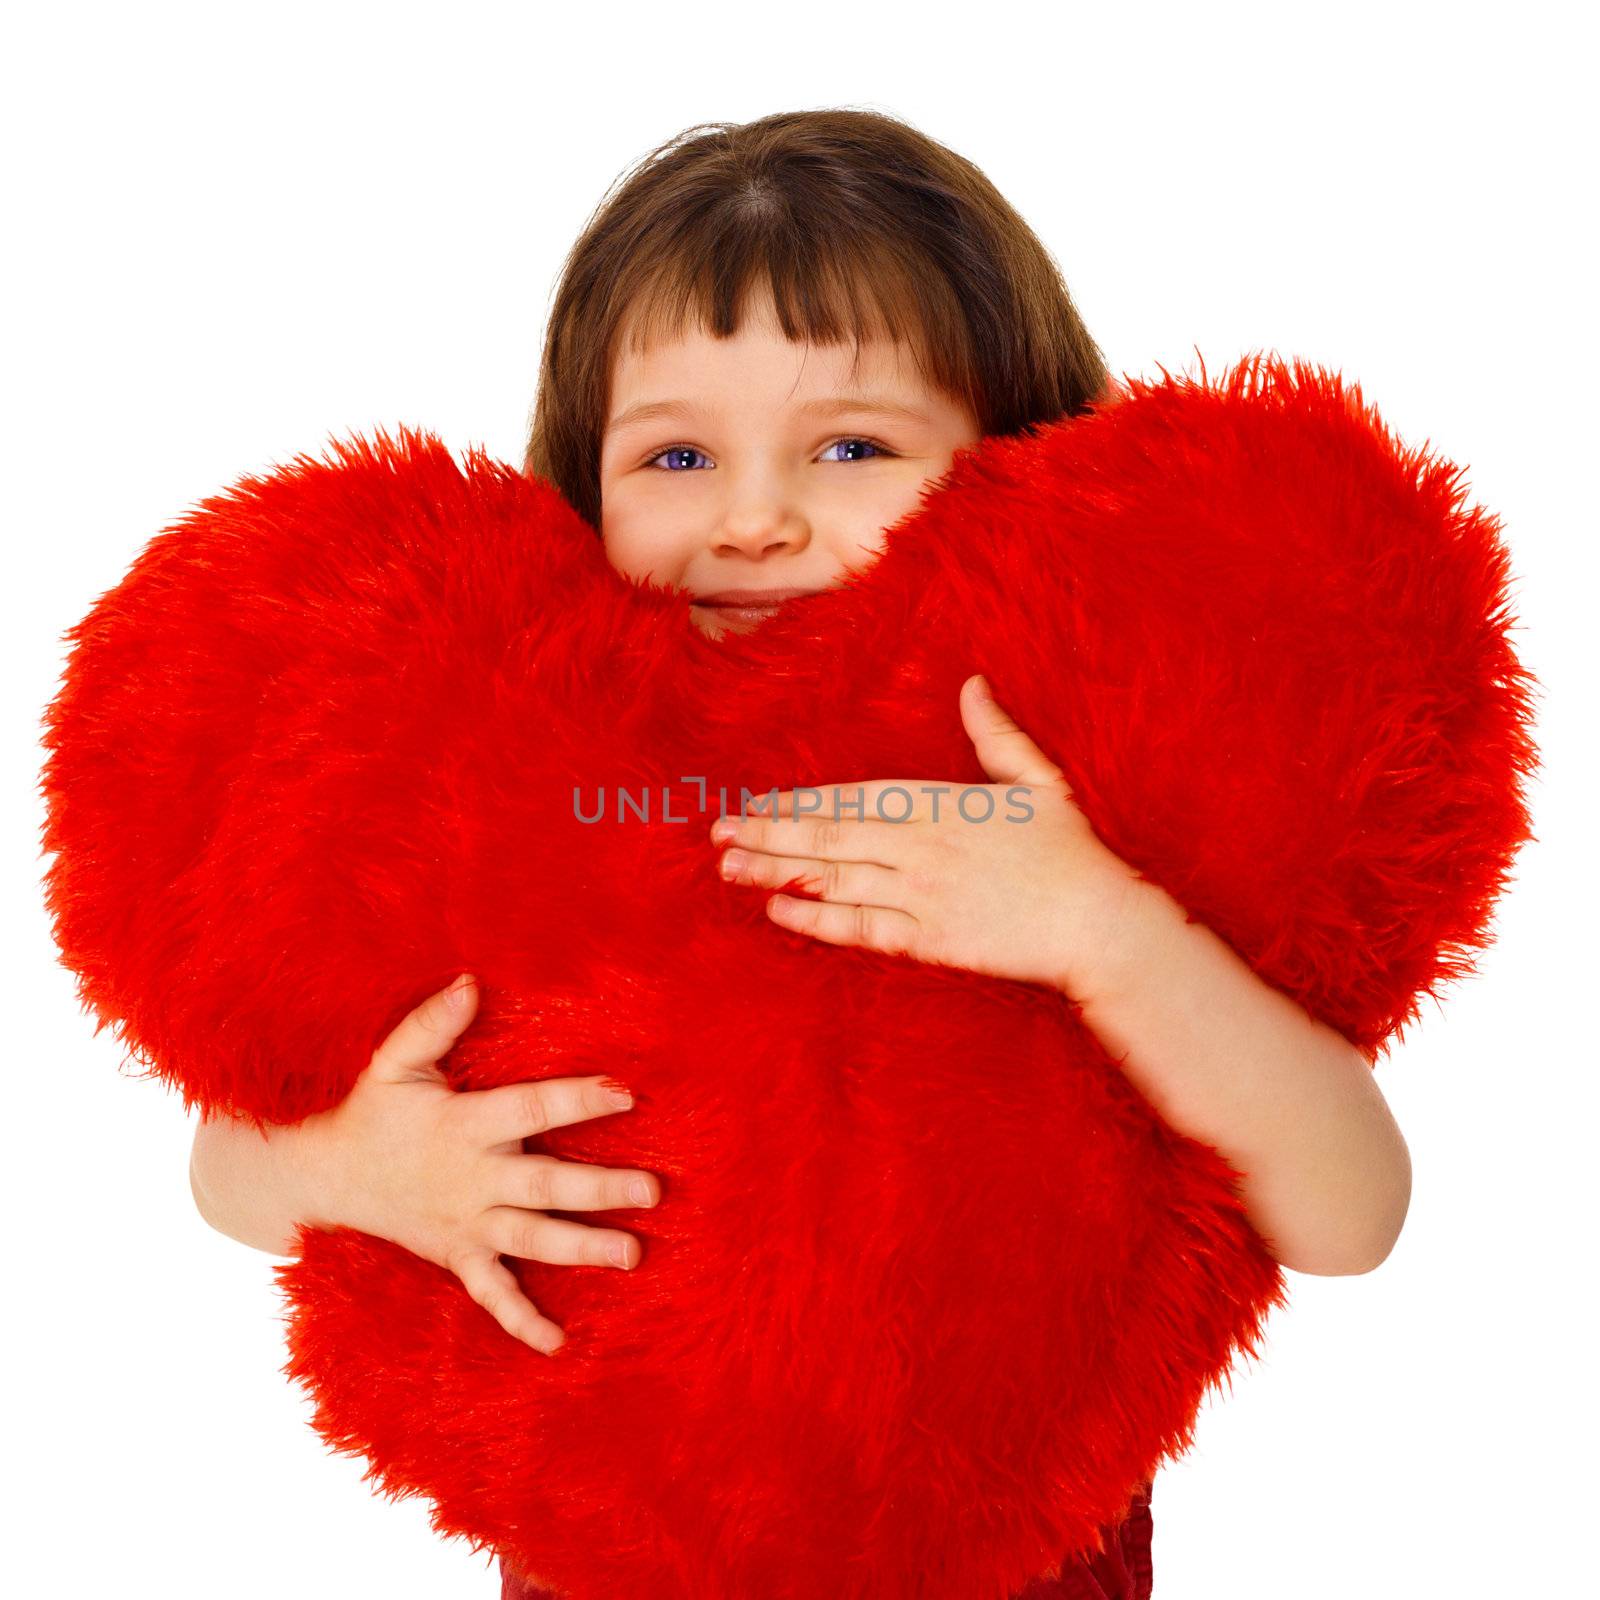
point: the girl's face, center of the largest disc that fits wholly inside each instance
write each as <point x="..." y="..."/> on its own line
<point x="745" y="469"/>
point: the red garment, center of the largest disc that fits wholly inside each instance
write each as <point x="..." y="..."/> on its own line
<point x="1122" y="1571"/>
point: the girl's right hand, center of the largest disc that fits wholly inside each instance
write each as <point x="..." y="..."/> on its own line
<point x="442" y="1172"/>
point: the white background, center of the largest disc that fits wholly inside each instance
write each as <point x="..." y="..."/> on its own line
<point x="235" y="231"/>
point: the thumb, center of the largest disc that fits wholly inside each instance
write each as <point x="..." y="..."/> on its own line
<point x="1007" y="753"/>
<point x="422" y="1036"/>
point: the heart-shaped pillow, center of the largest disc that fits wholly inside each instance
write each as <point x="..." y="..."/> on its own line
<point x="931" y="1288"/>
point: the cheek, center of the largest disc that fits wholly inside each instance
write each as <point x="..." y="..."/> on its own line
<point x="635" y="542"/>
<point x="869" y="518"/>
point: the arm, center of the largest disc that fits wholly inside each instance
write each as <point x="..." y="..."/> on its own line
<point x="1221" y="1055"/>
<point x="1228" y="1059"/>
<point x="254" y="1188"/>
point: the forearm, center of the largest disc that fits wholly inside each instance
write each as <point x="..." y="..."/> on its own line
<point x="1228" y="1059"/>
<point x="255" y="1187"/>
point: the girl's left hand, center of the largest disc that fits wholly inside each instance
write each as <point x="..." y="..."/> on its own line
<point x="1024" y="890"/>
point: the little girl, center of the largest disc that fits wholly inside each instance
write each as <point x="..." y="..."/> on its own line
<point x="801" y="320"/>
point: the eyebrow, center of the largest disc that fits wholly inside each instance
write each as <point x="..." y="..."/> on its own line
<point x="832" y="405"/>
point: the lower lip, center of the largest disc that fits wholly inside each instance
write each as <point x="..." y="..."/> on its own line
<point x="732" y="613"/>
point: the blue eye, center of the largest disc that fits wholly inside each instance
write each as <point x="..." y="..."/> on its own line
<point x="847" y="439"/>
<point x="672" y="450"/>
<point x="871" y="444"/>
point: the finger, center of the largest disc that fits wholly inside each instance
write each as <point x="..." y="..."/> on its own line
<point x="846" y="881"/>
<point x="877" y="800"/>
<point x="494" y="1286"/>
<point x="534" y="1237"/>
<point x="1007" y="753"/>
<point x="423" y="1035"/>
<point x="882" y="928"/>
<point x="871" y="843"/>
<point x="516" y="1111"/>
<point x="548" y="1183"/>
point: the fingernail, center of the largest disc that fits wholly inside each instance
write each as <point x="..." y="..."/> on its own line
<point x="984" y="692"/>
<point x="639" y="1191"/>
<point x="617" y="1093"/>
<point x="457" y="991"/>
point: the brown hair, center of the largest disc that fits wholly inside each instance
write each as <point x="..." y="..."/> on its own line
<point x="843" y="213"/>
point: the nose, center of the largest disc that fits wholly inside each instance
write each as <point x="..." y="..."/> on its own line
<point x="759" y="531"/>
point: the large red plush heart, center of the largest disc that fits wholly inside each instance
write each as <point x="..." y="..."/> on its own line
<point x="931" y="1287"/>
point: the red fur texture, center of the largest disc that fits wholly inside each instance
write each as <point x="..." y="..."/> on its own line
<point x="931" y="1288"/>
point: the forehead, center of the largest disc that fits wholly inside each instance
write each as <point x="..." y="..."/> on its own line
<point x="655" y="360"/>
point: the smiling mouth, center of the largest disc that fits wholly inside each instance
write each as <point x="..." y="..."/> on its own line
<point x="738" y="616"/>
<point x="744" y="607"/>
<point x="750" y="599"/>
